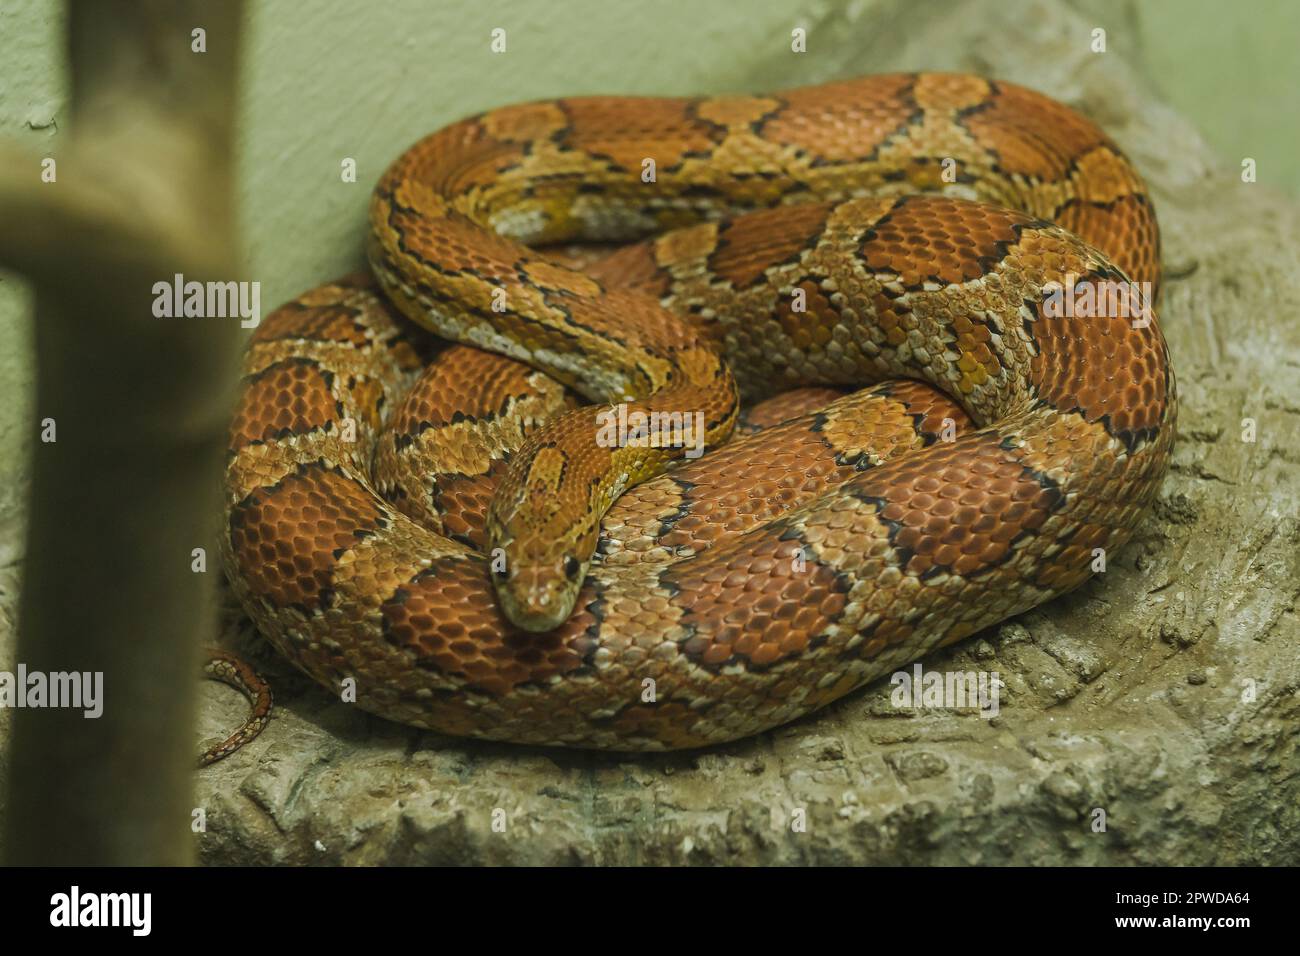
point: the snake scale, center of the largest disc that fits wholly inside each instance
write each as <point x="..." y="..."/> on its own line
<point x="443" y="524"/>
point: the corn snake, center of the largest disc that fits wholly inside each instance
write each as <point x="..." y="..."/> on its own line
<point x="999" y="447"/>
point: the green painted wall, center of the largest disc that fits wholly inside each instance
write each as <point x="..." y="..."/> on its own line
<point x="327" y="80"/>
<point x="1233" y="69"/>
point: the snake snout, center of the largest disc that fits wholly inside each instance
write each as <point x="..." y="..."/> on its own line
<point x="539" y="597"/>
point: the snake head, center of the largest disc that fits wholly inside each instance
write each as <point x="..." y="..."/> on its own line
<point x="539" y="595"/>
<point x="545" y="554"/>
<point x="544" y="520"/>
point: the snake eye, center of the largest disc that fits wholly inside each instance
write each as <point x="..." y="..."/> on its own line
<point x="572" y="566"/>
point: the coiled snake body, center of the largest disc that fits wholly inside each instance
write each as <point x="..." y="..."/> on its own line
<point x="903" y="232"/>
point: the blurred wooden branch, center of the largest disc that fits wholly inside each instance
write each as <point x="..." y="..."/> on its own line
<point x="140" y="404"/>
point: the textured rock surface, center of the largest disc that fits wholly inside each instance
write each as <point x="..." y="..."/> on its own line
<point x="1165" y="693"/>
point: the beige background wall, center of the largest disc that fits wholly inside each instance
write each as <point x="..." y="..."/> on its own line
<point x="330" y="79"/>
